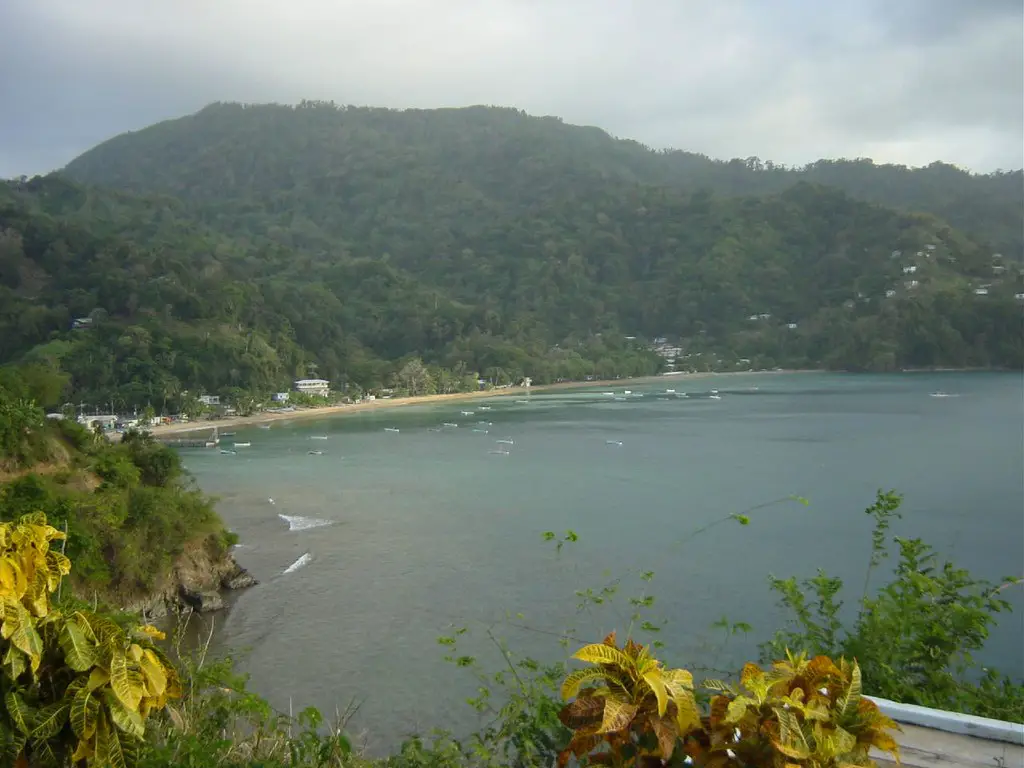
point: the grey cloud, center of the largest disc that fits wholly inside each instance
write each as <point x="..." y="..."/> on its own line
<point x="791" y="80"/>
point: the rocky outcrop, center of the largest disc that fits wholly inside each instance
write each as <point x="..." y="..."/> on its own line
<point x="194" y="584"/>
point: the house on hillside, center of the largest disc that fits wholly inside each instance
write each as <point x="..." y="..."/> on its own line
<point x="279" y="397"/>
<point x="320" y="387"/>
<point x="81" y="323"/>
<point x="209" y="399"/>
<point x="981" y="291"/>
<point x="909" y="270"/>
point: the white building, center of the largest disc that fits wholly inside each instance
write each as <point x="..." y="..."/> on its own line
<point x="106" y="421"/>
<point x="279" y="397"/>
<point x="209" y="399"/>
<point x="909" y="270"/>
<point x="321" y="387"/>
<point x="911" y="284"/>
<point x="890" y="293"/>
<point x="791" y="326"/>
<point x="981" y="291"/>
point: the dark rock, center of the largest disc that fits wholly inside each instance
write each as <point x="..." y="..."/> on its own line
<point x="211" y="601"/>
<point x="241" y="579"/>
<point x="202" y="602"/>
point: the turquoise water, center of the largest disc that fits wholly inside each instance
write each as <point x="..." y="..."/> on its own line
<point x="429" y="529"/>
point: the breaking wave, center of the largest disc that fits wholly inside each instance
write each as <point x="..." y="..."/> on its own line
<point x="296" y="523"/>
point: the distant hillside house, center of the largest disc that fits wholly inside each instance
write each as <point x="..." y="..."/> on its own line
<point x="209" y="399"/>
<point x="80" y="323"/>
<point x="321" y="387"/>
<point x="981" y="291"/>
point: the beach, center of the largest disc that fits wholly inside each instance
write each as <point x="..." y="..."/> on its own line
<point x="265" y="417"/>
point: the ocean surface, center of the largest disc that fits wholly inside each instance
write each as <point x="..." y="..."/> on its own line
<point x="371" y="549"/>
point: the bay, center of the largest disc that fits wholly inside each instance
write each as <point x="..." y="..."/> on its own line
<point x="385" y="540"/>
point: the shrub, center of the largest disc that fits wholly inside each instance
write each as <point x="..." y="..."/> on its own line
<point x="77" y="687"/>
<point x="800" y="713"/>
<point x="916" y="637"/>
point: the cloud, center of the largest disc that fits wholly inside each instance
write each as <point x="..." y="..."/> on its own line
<point x="792" y="80"/>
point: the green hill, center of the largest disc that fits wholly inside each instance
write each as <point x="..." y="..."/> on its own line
<point x="320" y="170"/>
<point x="231" y="250"/>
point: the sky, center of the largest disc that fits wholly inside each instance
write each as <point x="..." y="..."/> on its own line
<point x="903" y="81"/>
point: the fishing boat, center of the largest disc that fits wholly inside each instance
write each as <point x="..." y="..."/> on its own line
<point x="315" y="453"/>
<point x="242" y="445"/>
<point x="391" y="429"/>
<point x="506" y="441"/>
<point x="227" y="452"/>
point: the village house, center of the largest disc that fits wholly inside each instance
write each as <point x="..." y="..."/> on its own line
<point x="320" y="387"/>
<point x="209" y="399"/>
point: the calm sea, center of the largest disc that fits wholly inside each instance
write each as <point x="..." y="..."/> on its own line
<point x="387" y="539"/>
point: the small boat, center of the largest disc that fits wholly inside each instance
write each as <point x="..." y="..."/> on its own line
<point x="609" y="394"/>
<point x="506" y="441"/>
<point x="670" y="391"/>
<point x="627" y="391"/>
<point x="391" y="429"/>
<point x="315" y="453"/>
<point x="227" y="434"/>
<point x="482" y="431"/>
<point x="485" y="423"/>
<point x="468" y="413"/>
<point x="613" y="442"/>
<point x="449" y="424"/>
<point x="318" y="437"/>
<point x="227" y="452"/>
<point x="264" y="426"/>
<point x="498" y="452"/>
<point x="522" y="402"/>
<point x="242" y="445"/>
<point x="433" y="429"/>
<point x="485" y="407"/>
<point x="715" y="397"/>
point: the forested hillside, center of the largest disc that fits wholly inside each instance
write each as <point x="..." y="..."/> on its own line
<point x="366" y="173"/>
<point x="232" y="250"/>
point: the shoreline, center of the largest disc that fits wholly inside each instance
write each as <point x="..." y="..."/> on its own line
<point x="454" y="397"/>
<point x="398" y="402"/>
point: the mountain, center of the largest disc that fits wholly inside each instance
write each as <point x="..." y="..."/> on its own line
<point x="232" y="250"/>
<point x="322" y="170"/>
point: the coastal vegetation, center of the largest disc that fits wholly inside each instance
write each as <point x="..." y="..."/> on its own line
<point x="237" y="249"/>
<point x="128" y="509"/>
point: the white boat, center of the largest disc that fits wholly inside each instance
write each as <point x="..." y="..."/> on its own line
<point x="506" y="441"/>
<point x="242" y="445"/>
<point x="318" y="437"/>
<point x="485" y="407"/>
<point x="468" y="413"/>
<point x="613" y="442"/>
<point x="627" y="391"/>
<point x="315" y="453"/>
<point x="227" y="452"/>
<point x="449" y="424"/>
<point x="715" y="397"/>
<point x="264" y="426"/>
<point x="499" y="452"/>
<point x="482" y="431"/>
<point x="391" y="429"/>
<point x="670" y="391"/>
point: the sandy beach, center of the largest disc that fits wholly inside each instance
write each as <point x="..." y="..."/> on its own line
<point x="397" y="402"/>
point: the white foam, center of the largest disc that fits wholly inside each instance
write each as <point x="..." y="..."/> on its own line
<point x="302" y="561"/>
<point x="297" y="523"/>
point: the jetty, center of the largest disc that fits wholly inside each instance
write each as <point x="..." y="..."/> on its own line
<point x="191" y="442"/>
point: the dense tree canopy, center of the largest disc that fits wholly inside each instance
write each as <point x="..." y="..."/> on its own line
<point x="236" y="249"/>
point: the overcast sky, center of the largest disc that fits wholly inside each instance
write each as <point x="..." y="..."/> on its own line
<point x="908" y="81"/>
